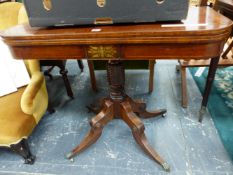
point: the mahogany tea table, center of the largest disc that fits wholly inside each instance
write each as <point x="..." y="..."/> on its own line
<point x="201" y="36"/>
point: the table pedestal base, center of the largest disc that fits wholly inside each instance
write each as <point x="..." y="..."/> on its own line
<point x="119" y="105"/>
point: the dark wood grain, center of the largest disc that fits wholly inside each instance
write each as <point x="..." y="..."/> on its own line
<point x="186" y="41"/>
<point x="203" y="36"/>
<point x="225" y="7"/>
<point x="120" y="105"/>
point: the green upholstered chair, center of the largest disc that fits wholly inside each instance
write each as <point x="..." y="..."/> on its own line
<point x="21" y="111"/>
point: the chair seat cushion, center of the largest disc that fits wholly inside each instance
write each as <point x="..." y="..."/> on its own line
<point x="14" y="124"/>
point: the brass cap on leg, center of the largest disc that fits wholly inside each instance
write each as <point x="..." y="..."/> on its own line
<point x="166" y="167"/>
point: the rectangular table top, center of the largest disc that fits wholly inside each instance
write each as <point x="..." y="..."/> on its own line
<point x="201" y="35"/>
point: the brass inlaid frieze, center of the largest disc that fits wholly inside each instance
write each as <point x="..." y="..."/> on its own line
<point x="102" y="51"/>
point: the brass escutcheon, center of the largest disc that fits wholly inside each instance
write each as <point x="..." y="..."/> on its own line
<point x="47" y="4"/>
<point x="101" y="3"/>
<point x="160" y="1"/>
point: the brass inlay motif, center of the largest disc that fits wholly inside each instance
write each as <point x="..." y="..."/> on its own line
<point x="101" y="3"/>
<point x="102" y="51"/>
<point x="47" y="4"/>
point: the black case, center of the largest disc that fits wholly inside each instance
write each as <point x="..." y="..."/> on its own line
<point x="82" y="12"/>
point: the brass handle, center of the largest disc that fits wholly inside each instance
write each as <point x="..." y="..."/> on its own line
<point x="102" y="21"/>
<point x="47" y="4"/>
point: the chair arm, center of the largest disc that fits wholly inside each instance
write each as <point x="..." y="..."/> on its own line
<point x="30" y="92"/>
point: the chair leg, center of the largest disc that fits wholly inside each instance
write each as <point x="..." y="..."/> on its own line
<point x="22" y="148"/>
<point x="92" y="75"/>
<point x="48" y="72"/>
<point x="177" y="68"/>
<point x="80" y="65"/>
<point x="50" y="108"/>
<point x="151" y="76"/>
<point x="64" y="72"/>
<point x="184" y="87"/>
<point x="224" y="55"/>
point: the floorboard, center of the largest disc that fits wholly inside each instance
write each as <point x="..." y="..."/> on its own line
<point x="189" y="147"/>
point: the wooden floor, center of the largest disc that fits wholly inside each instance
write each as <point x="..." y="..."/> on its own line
<point x="189" y="147"/>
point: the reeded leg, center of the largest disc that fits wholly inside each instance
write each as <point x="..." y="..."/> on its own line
<point x="209" y="82"/>
<point x="22" y="148"/>
<point x="140" y="109"/>
<point x="138" y="128"/>
<point x="97" y="123"/>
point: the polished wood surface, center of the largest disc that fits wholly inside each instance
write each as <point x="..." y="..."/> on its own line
<point x="120" y="105"/>
<point x="206" y="39"/>
<point x="183" y="64"/>
<point x="201" y="37"/>
<point x="203" y="2"/>
<point x="224" y="7"/>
